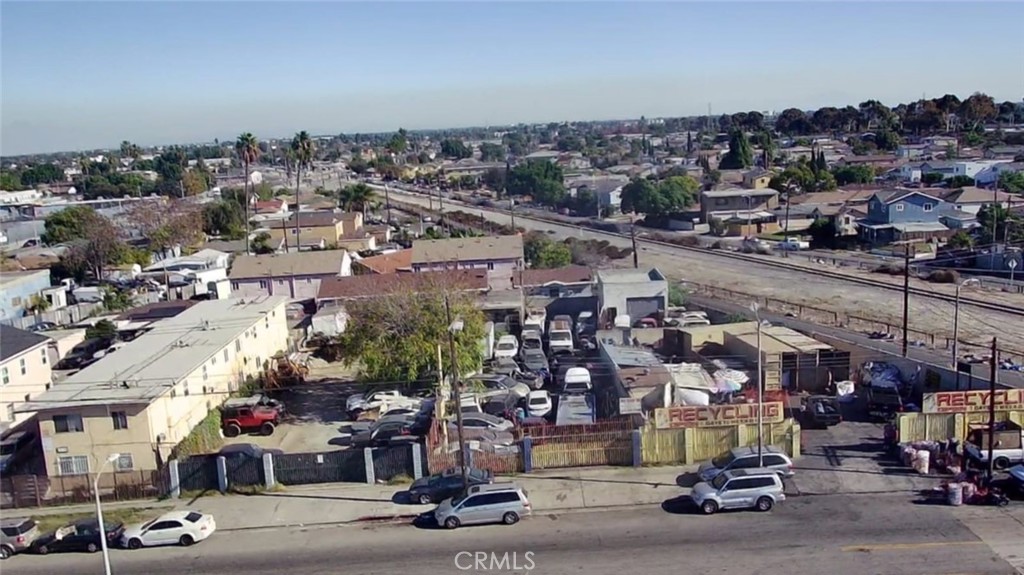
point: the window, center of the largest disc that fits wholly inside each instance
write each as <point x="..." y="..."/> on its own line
<point x="68" y="423"/>
<point x="73" y="465"/>
<point x="185" y="385"/>
<point x="234" y="285"/>
<point x="927" y="207"/>
<point x="10" y="412"/>
<point x="15" y="301"/>
<point x="28" y="397"/>
<point x="124" y="463"/>
<point x="899" y="207"/>
<point x="6" y="376"/>
<point x="23" y="365"/>
<point x="773" y="460"/>
<point x="226" y="355"/>
<point x="490" y="265"/>
<point x="205" y="376"/>
<point x="119" y="419"/>
<point x="263" y="284"/>
<point x="213" y="360"/>
<point x="43" y="354"/>
<point x="238" y="345"/>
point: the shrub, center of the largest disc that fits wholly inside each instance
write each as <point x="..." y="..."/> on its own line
<point x="944" y="277"/>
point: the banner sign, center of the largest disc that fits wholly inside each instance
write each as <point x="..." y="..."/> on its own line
<point x="973" y="401"/>
<point x="717" y="415"/>
<point x="630" y="405"/>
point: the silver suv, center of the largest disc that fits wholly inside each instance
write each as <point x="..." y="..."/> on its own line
<point x="493" y="503"/>
<point x="774" y="458"/>
<point x="739" y="489"/>
<point x="16" y="535"/>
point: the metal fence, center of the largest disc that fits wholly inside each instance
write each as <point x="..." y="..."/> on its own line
<point x="19" y="491"/>
<point x="394" y="461"/>
<point x="198" y="473"/>
<point x="245" y="471"/>
<point x="326" y="467"/>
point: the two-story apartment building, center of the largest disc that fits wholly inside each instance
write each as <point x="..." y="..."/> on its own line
<point x="294" y="275"/>
<point x="146" y="398"/>
<point x="903" y="215"/>
<point x="500" y="254"/>
<point x="745" y="212"/>
<point x="17" y="290"/>
<point x="320" y="228"/>
<point x="25" y="372"/>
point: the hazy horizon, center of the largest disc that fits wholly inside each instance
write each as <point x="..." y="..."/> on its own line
<point x="88" y="75"/>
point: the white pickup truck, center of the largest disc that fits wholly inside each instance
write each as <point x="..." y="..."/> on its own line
<point x="1008" y="448"/>
<point x="794" y="244"/>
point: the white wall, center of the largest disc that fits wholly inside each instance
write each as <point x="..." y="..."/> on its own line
<point x="22" y="378"/>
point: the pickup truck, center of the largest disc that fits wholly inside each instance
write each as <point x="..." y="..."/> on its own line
<point x="794" y="244"/>
<point x="1007" y="449"/>
<point x="883" y="402"/>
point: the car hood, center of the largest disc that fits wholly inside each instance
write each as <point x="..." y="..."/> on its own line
<point x="702" y="489"/>
<point x="355" y="401"/>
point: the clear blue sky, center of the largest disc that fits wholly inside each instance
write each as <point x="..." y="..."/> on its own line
<point x="86" y="75"/>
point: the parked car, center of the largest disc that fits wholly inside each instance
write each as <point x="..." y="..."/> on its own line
<point x="235" y="420"/>
<point x="175" y="528"/>
<point x="511" y="368"/>
<point x="16" y="535"/>
<point x="535" y="360"/>
<point x="532" y="341"/>
<point x="492" y="503"/>
<point x="576" y="381"/>
<point x="774" y="459"/>
<point x="446" y="484"/>
<point x="82" y="535"/>
<point x="381" y="399"/>
<point x="821" y="411"/>
<point x="495" y="384"/>
<point x="538" y="403"/>
<point x="739" y="489"/>
<point x="794" y="244"/>
<point x="507" y="346"/>
<point x="256" y="400"/>
<point x="384" y="433"/>
<point x="243" y="450"/>
<point x="486" y="421"/>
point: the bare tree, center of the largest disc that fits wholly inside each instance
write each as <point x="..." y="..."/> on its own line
<point x="168" y="224"/>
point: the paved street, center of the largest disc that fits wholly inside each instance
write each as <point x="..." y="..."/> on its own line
<point x="805" y="536"/>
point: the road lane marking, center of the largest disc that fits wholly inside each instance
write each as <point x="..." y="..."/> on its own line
<point x="906" y="546"/>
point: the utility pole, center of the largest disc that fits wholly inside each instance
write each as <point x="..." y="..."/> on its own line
<point x="512" y="213"/>
<point x="181" y="188"/>
<point x="457" y="390"/>
<point x="387" y="201"/>
<point x="760" y="398"/>
<point x="906" y="297"/>
<point x="785" y="232"/>
<point x="284" y="233"/>
<point x="993" y="361"/>
<point x="956" y="326"/>
<point x="632" y="238"/>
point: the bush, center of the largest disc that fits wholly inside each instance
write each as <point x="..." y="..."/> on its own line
<point x="205" y="438"/>
<point x="944" y="277"/>
<point x="890" y="269"/>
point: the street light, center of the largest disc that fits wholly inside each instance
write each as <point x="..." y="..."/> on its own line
<point x="755" y="307"/>
<point x="99" y="511"/>
<point x="956" y="326"/>
<point x="456" y="326"/>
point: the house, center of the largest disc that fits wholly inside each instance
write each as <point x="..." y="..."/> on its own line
<point x="560" y="291"/>
<point x="636" y="293"/>
<point x="325" y="228"/>
<point x="756" y="179"/>
<point x="878" y="161"/>
<point x="204" y="259"/>
<point x="992" y="173"/>
<point x="17" y="290"/>
<point x="607" y="191"/>
<point x="971" y="199"/>
<point x="911" y="151"/>
<point x="495" y="253"/>
<point x="293" y="275"/>
<point x="745" y="212"/>
<point x="843" y="217"/>
<point x="147" y="397"/>
<point x="398" y="261"/>
<point x="903" y="215"/>
<point x="274" y="207"/>
<point x="25" y="372"/>
<point x="1004" y="152"/>
<point x="336" y="291"/>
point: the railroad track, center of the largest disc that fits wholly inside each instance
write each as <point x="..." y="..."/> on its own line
<point x="921" y="292"/>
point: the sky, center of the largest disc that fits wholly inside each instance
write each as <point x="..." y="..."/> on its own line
<point x="87" y="75"/>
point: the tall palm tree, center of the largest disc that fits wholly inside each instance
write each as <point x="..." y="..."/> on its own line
<point x="303" y="148"/>
<point x="248" y="149"/>
<point x="356" y="197"/>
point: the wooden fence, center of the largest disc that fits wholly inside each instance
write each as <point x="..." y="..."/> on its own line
<point x="943" y="426"/>
<point x="40" y="491"/>
<point x="692" y="445"/>
<point x="584" y="450"/>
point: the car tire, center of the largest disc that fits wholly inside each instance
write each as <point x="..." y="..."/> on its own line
<point x="709" y="507"/>
<point x="425" y="499"/>
<point x="186" y="540"/>
<point x="267" y="428"/>
<point x="1001" y="463"/>
<point x="232" y="430"/>
<point x="91" y="548"/>
<point x="5" y="552"/>
<point x="42" y="550"/>
<point x="510" y="518"/>
<point x="134" y="543"/>
<point x="765" y="504"/>
<point x="451" y="523"/>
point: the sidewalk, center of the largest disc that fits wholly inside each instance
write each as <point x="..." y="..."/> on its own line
<point x="338" y="503"/>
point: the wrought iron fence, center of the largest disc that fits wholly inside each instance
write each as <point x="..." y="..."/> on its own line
<point x="325" y="467"/>
<point x="19" y="491"/>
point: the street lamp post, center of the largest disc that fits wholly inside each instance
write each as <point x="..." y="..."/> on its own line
<point x="755" y="307"/>
<point x="956" y="326"/>
<point x="99" y="511"/>
<point x="456" y="326"/>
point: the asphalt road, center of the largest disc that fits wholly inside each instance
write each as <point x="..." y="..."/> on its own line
<point x="804" y="536"/>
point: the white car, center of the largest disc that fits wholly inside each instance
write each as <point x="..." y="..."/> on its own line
<point x="538" y="403"/>
<point x="508" y="346"/>
<point x="175" y="528"/>
<point x="384" y="400"/>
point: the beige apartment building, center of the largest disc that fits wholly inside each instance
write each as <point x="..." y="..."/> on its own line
<point x="144" y="399"/>
<point x="26" y="367"/>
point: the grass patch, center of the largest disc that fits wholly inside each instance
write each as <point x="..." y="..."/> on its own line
<point x="124" y="515"/>
<point x="400" y="479"/>
<point x="205" y="438"/>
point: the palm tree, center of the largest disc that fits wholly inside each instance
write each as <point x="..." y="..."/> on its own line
<point x="356" y="197"/>
<point x="303" y="148"/>
<point x="248" y="149"/>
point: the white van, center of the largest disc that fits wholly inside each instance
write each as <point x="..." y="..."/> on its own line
<point x="576" y="381"/>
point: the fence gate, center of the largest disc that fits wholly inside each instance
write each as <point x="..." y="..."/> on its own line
<point x="393" y="461"/>
<point x="245" y="470"/>
<point x="598" y="448"/>
<point x="324" y="467"/>
<point x="198" y="473"/>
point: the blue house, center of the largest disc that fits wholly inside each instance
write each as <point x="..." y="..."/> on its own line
<point x="17" y="289"/>
<point x="904" y="215"/>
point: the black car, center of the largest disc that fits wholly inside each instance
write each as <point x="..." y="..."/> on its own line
<point x="448" y="483"/>
<point x="238" y="451"/>
<point x="79" y="536"/>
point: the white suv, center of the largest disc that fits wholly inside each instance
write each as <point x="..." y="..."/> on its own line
<point x="741" y="489"/>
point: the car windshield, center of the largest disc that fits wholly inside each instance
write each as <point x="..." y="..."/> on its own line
<point x="506" y="346"/>
<point x="458" y="501"/>
<point x="719" y="482"/>
<point x="538" y="400"/>
<point x="193" y="516"/>
<point x="723" y="460"/>
<point x="560" y="336"/>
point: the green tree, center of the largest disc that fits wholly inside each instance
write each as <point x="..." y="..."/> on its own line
<point x="978" y="109"/>
<point x="358" y="165"/>
<point x="960" y="182"/>
<point x="247" y="147"/>
<point x="1006" y="225"/>
<point x="396" y="336"/>
<point x="642" y="196"/>
<point x="224" y="218"/>
<point x="740" y="156"/>
<point x="960" y="240"/>
<point x="554" y="255"/>
<point x="823" y="233"/>
<point x="356" y="198"/>
<point x="455" y="148"/>
<point x="799" y="178"/>
<point x="10" y="180"/>
<point x="492" y="152"/>
<point x="303" y="149"/>
<point x="845" y="175"/>
<point x="103" y="329"/>
<point x="1012" y="182"/>
<point x="69" y="224"/>
<point x="130" y="150"/>
<point x="117" y="300"/>
<point x="398" y="142"/>
<point x="540" y="179"/>
<point x="533" y="244"/>
<point x="41" y="174"/>
<point x="931" y="178"/>
<point x="98" y="246"/>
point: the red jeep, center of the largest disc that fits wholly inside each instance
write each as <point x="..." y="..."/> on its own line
<point x="235" y="420"/>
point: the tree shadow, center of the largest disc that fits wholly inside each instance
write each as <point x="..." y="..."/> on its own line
<point x="688" y="479"/>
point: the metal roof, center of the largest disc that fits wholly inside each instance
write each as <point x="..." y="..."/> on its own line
<point x="775" y="338"/>
<point x="631" y="356"/>
<point x="145" y="368"/>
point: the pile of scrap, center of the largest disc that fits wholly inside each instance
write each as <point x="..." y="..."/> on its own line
<point x="291" y="369"/>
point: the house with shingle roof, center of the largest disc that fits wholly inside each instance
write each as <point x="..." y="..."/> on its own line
<point x="500" y="254"/>
<point x="904" y="215"/>
<point x="295" y="275"/>
<point x="389" y="263"/>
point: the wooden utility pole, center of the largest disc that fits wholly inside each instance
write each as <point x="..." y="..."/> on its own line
<point x="632" y="238"/>
<point x="906" y="298"/>
<point x="387" y="200"/>
<point x="993" y="363"/>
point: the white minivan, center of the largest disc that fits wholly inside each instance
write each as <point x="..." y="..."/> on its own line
<point x="507" y="346"/>
<point x="576" y="381"/>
